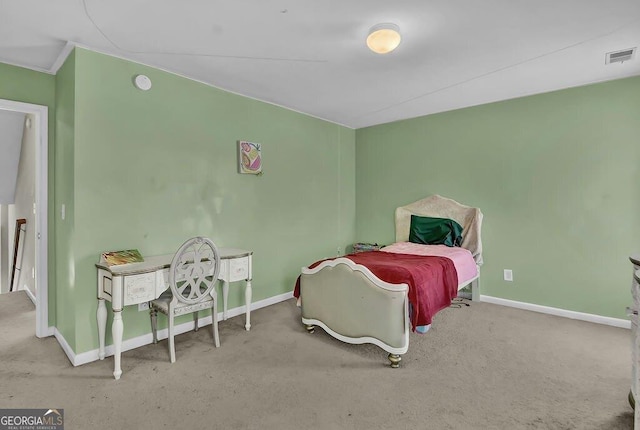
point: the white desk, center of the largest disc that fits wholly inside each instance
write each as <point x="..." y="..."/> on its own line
<point x="134" y="283"/>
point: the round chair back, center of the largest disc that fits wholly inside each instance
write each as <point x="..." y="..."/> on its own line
<point x="194" y="270"/>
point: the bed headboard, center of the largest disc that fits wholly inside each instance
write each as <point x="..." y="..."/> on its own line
<point x="441" y="207"/>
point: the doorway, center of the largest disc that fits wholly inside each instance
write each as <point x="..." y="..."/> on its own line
<point x="40" y="126"/>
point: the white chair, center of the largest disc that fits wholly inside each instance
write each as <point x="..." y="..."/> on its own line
<point x="193" y="276"/>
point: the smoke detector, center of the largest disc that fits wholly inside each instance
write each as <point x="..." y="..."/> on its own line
<point x="619" y="56"/>
<point x="142" y="82"/>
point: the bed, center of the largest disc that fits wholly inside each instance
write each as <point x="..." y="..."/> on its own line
<point x="379" y="297"/>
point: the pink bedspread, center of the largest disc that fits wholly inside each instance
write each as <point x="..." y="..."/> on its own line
<point x="432" y="280"/>
<point x="466" y="267"/>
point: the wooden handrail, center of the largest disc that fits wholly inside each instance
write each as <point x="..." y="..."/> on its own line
<point x="16" y="244"/>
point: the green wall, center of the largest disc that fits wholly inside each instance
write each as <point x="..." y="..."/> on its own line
<point x="151" y="169"/>
<point x="27" y="86"/>
<point x="556" y="176"/>
<point x="64" y="180"/>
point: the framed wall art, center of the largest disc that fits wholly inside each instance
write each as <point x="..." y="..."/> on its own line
<point x="249" y="157"/>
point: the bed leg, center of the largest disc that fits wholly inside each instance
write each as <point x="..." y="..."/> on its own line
<point x="310" y="328"/>
<point x="395" y="360"/>
<point x="475" y="290"/>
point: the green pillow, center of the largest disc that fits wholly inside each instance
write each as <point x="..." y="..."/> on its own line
<point x="435" y="231"/>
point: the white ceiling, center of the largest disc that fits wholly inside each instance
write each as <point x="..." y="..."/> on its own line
<point x="310" y="55"/>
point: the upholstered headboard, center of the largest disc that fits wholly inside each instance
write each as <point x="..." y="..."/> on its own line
<point x="441" y="207"/>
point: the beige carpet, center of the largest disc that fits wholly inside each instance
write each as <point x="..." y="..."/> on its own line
<point x="480" y="367"/>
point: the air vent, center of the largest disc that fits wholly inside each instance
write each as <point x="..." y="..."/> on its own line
<point x="619" y="56"/>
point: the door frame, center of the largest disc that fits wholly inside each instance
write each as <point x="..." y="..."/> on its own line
<point x="41" y="128"/>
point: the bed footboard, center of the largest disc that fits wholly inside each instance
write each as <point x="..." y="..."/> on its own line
<point x="354" y="306"/>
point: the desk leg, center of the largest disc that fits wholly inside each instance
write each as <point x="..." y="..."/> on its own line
<point x="116" y="331"/>
<point x="225" y="295"/>
<point x="101" y="315"/>
<point x="247" y="299"/>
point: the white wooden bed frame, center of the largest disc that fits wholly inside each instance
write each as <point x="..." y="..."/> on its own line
<point x="353" y="305"/>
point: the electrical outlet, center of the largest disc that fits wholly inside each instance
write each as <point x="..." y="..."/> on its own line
<point x="143" y="306"/>
<point x="508" y="275"/>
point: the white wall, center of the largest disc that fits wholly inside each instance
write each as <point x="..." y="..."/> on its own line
<point x="11" y="127"/>
<point x="11" y="132"/>
<point x="25" y="197"/>
<point x="4" y="249"/>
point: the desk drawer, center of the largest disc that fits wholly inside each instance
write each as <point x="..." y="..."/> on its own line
<point x="238" y="269"/>
<point x="139" y="288"/>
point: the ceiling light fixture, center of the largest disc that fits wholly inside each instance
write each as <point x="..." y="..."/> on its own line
<point x="384" y="38"/>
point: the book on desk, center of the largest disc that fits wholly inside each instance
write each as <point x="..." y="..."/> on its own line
<point x="115" y="258"/>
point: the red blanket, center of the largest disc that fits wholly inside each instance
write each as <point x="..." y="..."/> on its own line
<point x="433" y="281"/>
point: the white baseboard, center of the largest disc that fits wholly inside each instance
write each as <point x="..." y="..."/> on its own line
<point x="146" y="339"/>
<point x="616" y="322"/>
<point x="64" y="345"/>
